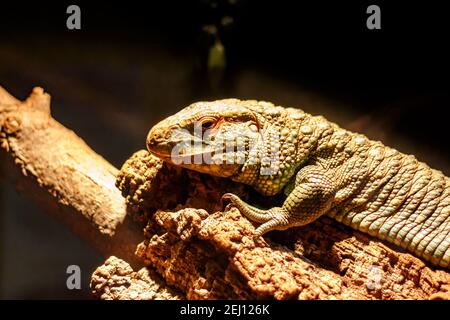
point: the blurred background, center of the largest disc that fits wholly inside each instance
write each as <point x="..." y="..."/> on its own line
<point x="134" y="63"/>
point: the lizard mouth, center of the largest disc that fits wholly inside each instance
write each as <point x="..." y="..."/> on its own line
<point x="163" y="156"/>
<point x="203" y="161"/>
<point x="200" y="157"/>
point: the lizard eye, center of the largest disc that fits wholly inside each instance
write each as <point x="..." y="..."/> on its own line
<point x="208" y="123"/>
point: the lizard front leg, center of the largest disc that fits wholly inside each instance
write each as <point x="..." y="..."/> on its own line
<point x="310" y="197"/>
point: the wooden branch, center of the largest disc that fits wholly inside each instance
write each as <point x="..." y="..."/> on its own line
<point x="51" y="165"/>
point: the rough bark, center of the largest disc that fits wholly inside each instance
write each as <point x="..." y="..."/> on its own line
<point x="189" y="242"/>
<point x="209" y="253"/>
<point x="116" y="280"/>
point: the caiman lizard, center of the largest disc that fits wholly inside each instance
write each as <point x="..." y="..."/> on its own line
<point x="321" y="168"/>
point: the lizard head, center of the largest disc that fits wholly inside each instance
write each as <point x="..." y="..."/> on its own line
<point x="210" y="137"/>
<point x="249" y="141"/>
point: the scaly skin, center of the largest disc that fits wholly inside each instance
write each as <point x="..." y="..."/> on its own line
<point x="322" y="169"/>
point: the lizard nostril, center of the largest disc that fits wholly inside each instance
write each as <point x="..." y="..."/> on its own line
<point x="159" y="138"/>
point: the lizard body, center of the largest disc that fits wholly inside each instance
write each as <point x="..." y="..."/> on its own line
<point x="322" y="169"/>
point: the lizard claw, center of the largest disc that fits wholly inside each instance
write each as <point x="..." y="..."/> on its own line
<point x="227" y="196"/>
<point x="228" y="207"/>
<point x="259" y="241"/>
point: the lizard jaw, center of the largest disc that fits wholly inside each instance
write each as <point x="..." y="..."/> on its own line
<point x="195" y="162"/>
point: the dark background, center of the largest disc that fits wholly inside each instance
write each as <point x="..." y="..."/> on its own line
<point x="136" y="62"/>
